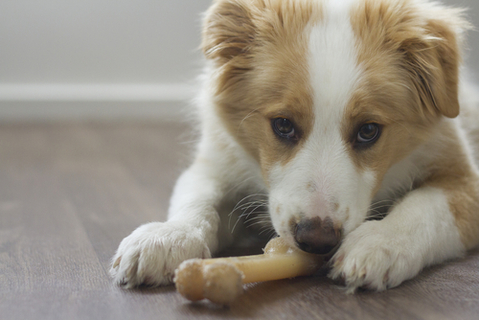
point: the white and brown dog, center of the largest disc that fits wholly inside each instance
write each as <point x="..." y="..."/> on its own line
<point x="334" y="109"/>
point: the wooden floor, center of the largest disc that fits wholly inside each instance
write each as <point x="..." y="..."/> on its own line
<point x="69" y="193"/>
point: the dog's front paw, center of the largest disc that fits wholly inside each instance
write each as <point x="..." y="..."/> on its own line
<point x="152" y="252"/>
<point x="375" y="257"/>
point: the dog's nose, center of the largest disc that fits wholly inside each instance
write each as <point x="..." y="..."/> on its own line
<point x="317" y="236"/>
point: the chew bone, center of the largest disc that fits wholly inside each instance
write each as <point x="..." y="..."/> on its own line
<point x="220" y="280"/>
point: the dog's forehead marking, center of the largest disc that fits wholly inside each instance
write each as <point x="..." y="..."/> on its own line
<point x="333" y="61"/>
<point x="334" y="72"/>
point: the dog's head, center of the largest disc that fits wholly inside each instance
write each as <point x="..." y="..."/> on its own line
<point x="328" y="95"/>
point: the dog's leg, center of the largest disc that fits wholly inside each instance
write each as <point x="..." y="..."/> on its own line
<point x="421" y="230"/>
<point x="152" y="252"/>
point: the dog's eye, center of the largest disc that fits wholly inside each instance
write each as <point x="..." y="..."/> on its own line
<point x="283" y="128"/>
<point x="368" y="133"/>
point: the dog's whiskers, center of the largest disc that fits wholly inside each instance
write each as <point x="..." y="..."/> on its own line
<point x="244" y="207"/>
<point x="379" y="209"/>
<point x="269" y="231"/>
<point x="248" y="197"/>
<point x="247" y="208"/>
<point x="241" y="204"/>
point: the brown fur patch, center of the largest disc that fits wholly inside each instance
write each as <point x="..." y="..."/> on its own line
<point x="410" y="60"/>
<point x="260" y="52"/>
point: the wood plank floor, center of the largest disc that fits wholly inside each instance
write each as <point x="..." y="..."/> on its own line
<point x="69" y="192"/>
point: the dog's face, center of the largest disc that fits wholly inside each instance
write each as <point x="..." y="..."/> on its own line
<point x="327" y="96"/>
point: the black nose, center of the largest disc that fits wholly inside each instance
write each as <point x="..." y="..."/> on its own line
<point x="317" y="236"/>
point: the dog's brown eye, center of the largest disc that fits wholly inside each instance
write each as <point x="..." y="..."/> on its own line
<point x="283" y="128"/>
<point x="368" y="133"/>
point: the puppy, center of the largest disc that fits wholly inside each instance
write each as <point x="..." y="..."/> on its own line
<point x="344" y="113"/>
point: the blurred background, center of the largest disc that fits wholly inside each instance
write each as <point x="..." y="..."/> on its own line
<point x="108" y="59"/>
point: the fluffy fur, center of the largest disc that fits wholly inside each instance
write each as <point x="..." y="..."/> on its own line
<point x="329" y="67"/>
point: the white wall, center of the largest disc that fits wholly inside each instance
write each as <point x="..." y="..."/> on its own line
<point x="105" y="41"/>
<point x="85" y="55"/>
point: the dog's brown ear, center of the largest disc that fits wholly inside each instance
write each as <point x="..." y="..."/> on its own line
<point x="432" y="55"/>
<point x="228" y="37"/>
<point x="228" y="30"/>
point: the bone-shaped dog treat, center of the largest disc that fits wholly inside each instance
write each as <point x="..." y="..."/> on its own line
<point x="221" y="280"/>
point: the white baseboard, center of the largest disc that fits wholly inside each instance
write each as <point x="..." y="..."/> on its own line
<point x="93" y="101"/>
